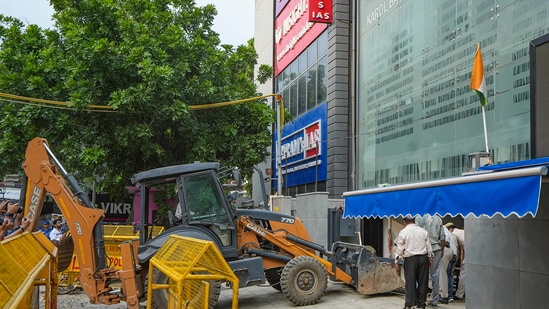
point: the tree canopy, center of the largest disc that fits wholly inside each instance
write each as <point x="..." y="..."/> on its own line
<point x="149" y="61"/>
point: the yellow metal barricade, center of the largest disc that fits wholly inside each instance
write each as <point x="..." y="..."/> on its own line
<point x="114" y="235"/>
<point x="189" y="264"/>
<point x="28" y="261"/>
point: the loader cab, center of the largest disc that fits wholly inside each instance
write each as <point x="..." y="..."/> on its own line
<point x="203" y="203"/>
<point x="197" y="208"/>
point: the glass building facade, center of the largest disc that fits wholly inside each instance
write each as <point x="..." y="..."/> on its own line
<point x="303" y="83"/>
<point x="417" y="118"/>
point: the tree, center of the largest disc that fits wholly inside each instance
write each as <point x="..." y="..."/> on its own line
<point x="149" y="61"/>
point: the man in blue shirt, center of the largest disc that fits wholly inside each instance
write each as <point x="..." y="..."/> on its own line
<point x="45" y="229"/>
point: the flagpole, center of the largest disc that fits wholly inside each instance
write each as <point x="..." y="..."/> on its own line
<point x="485" y="131"/>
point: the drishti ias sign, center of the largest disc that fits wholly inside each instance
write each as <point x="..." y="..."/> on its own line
<point x="294" y="32"/>
<point x="320" y="11"/>
<point x="303" y="149"/>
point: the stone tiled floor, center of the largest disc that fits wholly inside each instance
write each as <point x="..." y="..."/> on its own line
<point x="338" y="295"/>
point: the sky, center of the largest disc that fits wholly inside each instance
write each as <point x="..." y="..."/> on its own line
<point x="234" y="21"/>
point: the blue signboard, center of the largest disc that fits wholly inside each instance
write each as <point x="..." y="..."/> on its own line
<point x="303" y="149"/>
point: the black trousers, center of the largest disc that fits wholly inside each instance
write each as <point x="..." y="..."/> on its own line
<point x="416" y="272"/>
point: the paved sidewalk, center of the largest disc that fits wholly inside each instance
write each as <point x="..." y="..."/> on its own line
<point x="338" y="295"/>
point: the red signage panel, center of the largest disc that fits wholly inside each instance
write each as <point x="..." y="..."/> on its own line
<point x="320" y="11"/>
<point x="294" y="32"/>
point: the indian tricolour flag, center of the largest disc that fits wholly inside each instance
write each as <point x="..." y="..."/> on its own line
<point x="478" y="82"/>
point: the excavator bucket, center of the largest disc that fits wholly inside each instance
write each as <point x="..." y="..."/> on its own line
<point x="376" y="275"/>
<point x="370" y="274"/>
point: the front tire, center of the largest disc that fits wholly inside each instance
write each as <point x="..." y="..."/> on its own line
<point x="303" y="280"/>
<point x="160" y="296"/>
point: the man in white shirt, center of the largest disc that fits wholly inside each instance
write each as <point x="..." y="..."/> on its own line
<point x="414" y="247"/>
<point x="56" y="233"/>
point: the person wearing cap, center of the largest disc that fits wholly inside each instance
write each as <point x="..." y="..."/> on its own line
<point x="460" y="234"/>
<point x="433" y="225"/>
<point x="414" y="247"/>
<point x="45" y="228"/>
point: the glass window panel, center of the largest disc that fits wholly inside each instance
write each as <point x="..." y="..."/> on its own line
<point x="286" y="98"/>
<point x="285" y="78"/>
<point x="302" y="94"/>
<point x="279" y="82"/>
<point x="321" y="88"/>
<point x="293" y="70"/>
<point x="311" y="53"/>
<point x="311" y="87"/>
<point x="322" y="44"/>
<point x="302" y="62"/>
<point x="293" y="99"/>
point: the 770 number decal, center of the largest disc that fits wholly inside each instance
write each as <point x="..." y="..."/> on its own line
<point x="287" y="220"/>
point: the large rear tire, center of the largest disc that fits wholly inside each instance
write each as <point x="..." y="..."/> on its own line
<point x="273" y="277"/>
<point x="160" y="296"/>
<point x="303" y="280"/>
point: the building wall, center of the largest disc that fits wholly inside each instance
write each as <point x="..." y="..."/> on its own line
<point x="339" y="99"/>
<point x="315" y="74"/>
<point x="417" y="119"/>
<point x="506" y="264"/>
<point x="263" y="43"/>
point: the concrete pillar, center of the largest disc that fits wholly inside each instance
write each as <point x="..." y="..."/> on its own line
<point x="312" y="209"/>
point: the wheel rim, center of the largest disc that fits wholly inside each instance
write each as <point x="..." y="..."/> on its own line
<point x="306" y="281"/>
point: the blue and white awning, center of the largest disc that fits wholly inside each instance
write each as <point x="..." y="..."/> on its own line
<point x="499" y="189"/>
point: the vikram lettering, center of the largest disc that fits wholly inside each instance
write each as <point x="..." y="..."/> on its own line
<point x="116" y="208"/>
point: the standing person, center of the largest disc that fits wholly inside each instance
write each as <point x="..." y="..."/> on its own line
<point x="56" y="233"/>
<point x="414" y="247"/>
<point x="433" y="225"/>
<point x="460" y="234"/>
<point x="446" y="267"/>
<point x="45" y="229"/>
<point x="450" y="269"/>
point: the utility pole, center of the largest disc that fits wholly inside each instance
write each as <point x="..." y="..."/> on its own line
<point x="278" y="147"/>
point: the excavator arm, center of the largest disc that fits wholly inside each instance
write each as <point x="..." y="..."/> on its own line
<point x="46" y="175"/>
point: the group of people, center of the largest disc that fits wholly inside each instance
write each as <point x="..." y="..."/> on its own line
<point x="430" y="250"/>
<point x="54" y="233"/>
<point x="12" y="220"/>
<point x="13" y="223"/>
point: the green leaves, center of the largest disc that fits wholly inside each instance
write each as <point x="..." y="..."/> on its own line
<point x="148" y="60"/>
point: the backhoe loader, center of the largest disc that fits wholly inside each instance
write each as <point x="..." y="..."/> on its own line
<point x="258" y="245"/>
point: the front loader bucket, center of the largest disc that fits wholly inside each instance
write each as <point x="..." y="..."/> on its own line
<point x="375" y="276"/>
